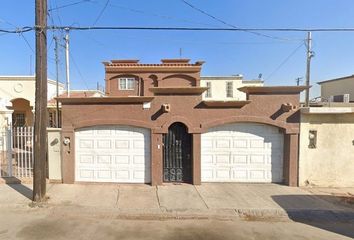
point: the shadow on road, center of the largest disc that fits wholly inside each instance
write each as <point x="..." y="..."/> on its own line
<point x="16" y="185"/>
<point x="316" y="211"/>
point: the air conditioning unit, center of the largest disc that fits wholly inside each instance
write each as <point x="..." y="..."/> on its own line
<point x="345" y="98"/>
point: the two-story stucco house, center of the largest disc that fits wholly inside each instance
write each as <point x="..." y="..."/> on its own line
<point x="226" y="88"/>
<point x="155" y="126"/>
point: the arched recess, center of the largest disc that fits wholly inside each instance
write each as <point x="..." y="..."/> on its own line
<point x="178" y="80"/>
<point x="167" y="124"/>
<point x="22" y="112"/>
<point x="177" y="154"/>
<point x="114" y="86"/>
<point x="246" y="119"/>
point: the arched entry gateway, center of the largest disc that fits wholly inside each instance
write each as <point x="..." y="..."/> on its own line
<point x="177" y="156"/>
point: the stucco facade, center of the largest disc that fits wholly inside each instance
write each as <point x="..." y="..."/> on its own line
<point x="17" y="95"/>
<point x="169" y="93"/>
<point x="218" y="87"/>
<point x="339" y="86"/>
<point x="330" y="163"/>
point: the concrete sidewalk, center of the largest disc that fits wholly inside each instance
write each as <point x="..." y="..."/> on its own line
<point x="209" y="199"/>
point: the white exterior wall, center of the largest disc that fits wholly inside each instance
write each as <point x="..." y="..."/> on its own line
<point x="339" y="87"/>
<point x="331" y="163"/>
<point x="218" y="87"/>
<point x="12" y="87"/>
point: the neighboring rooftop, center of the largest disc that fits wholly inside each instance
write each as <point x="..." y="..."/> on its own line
<point x="231" y="77"/>
<point x="24" y="78"/>
<point x="79" y="94"/>
<point x="337" y="79"/>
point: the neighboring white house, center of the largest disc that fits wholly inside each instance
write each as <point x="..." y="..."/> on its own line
<point x="225" y="88"/>
<point x="326" y="151"/>
<point x="335" y="88"/>
<point x="17" y="99"/>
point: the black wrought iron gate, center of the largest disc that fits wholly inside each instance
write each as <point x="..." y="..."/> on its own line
<point x="177" y="162"/>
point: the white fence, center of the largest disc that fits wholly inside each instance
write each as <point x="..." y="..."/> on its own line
<point x="16" y="152"/>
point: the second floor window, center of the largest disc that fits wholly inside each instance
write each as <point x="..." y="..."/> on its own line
<point x="208" y="92"/>
<point x="126" y="83"/>
<point x="229" y="89"/>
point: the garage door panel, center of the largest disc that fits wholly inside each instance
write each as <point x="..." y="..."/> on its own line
<point x="249" y="152"/>
<point x="113" y="154"/>
<point x="240" y="159"/>
<point x="240" y="143"/>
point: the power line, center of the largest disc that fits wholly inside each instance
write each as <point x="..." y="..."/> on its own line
<point x="78" y="71"/>
<point x="284" y="61"/>
<point x="101" y="13"/>
<point x="27" y="29"/>
<point x="204" y="29"/>
<point x="228" y="24"/>
<point x="158" y="15"/>
<point x="67" y="5"/>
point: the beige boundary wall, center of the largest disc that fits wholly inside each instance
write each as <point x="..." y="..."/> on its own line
<point x="54" y="154"/>
<point x="331" y="163"/>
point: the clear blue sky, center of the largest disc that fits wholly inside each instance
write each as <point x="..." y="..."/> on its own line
<point x="225" y="53"/>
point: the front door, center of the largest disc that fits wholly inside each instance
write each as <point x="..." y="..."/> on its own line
<point x="177" y="161"/>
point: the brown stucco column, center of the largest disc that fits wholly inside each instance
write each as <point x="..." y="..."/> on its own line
<point x="156" y="159"/>
<point x="291" y="145"/>
<point x="68" y="156"/>
<point x="196" y="158"/>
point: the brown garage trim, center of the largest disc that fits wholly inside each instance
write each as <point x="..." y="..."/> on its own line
<point x="104" y="100"/>
<point x="103" y="122"/>
<point x="247" y="119"/>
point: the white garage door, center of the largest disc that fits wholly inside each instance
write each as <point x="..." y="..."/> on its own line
<point x="242" y="152"/>
<point x="112" y="154"/>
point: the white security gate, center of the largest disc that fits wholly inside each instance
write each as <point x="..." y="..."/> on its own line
<point x="242" y="152"/>
<point x="16" y="152"/>
<point x="112" y="154"/>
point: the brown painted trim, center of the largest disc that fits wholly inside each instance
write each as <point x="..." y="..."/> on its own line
<point x="273" y="89"/>
<point x="104" y="100"/>
<point x="178" y="90"/>
<point x="103" y="122"/>
<point x="247" y="119"/>
<point x="173" y="119"/>
<point x="153" y="68"/>
<point x="236" y="104"/>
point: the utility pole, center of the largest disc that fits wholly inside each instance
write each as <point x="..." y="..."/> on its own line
<point x="57" y="79"/>
<point x="308" y="68"/>
<point x="40" y="119"/>
<point x="298" y="80"/>
<point x="67" y="62"/>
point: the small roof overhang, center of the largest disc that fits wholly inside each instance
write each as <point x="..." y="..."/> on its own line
<point x="273" y="89"/>
<point x="225" y="104"/>
<point x="178" y="90"/>
<point x="105" y="100"/>
<point x="327" y="110"/>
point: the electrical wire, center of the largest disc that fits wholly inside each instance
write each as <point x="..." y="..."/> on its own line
<point x="203" y="29"/>
<point x="67" y="5"/>
<point x="71" y="28"/>
<point x="78" y="70"/>
<point x="101" y="13"/>
<point x="228" y="24"/>
<point x="284" y="61"/>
